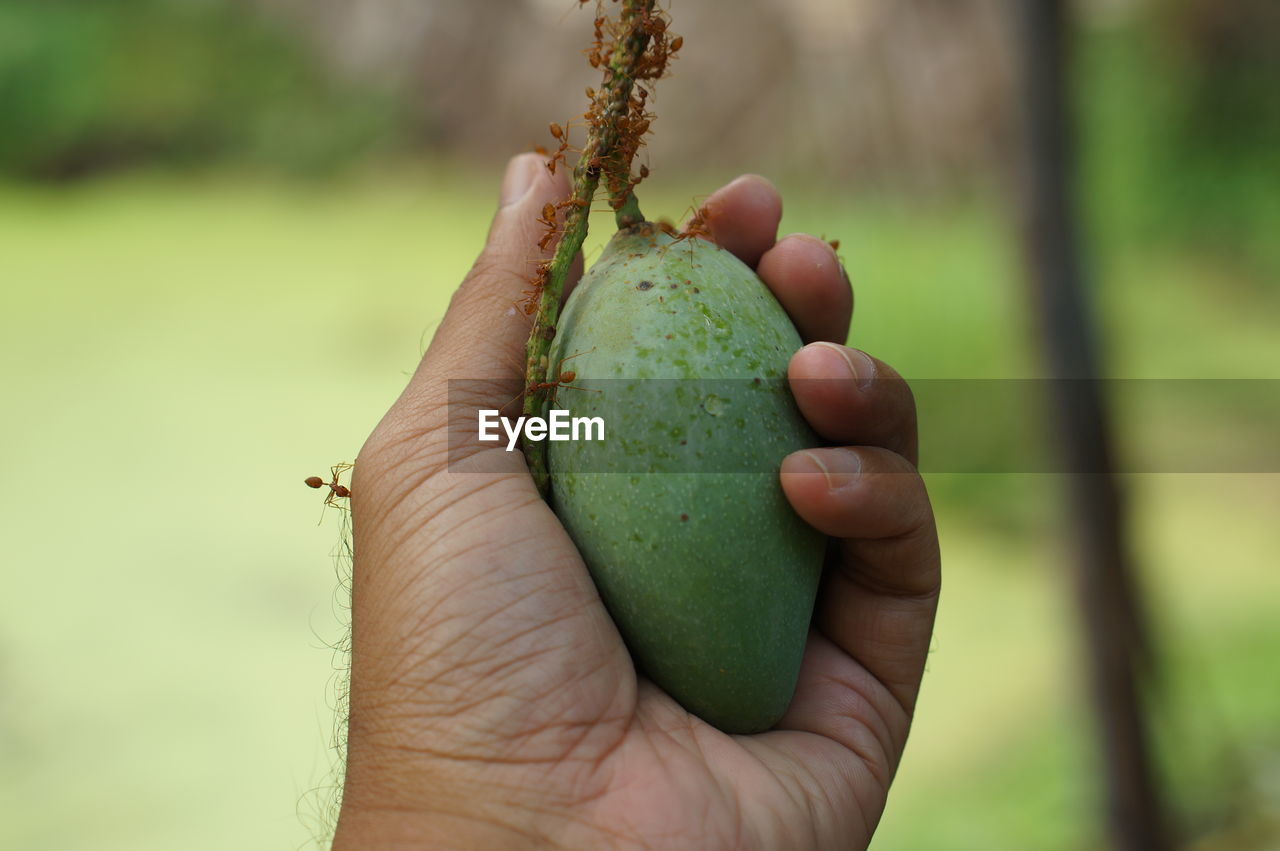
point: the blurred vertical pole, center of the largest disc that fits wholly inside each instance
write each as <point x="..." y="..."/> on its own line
<point x="1117" y="648"/>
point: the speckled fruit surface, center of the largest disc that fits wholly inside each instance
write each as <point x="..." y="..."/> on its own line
<point x="702" y="563"/>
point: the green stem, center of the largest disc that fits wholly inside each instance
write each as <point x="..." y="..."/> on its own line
<point x="598" y="153"/>
<point x="629" y="213"/>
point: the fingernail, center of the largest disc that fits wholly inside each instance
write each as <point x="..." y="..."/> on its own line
<point x="521" y="172"/>
<point x="861" y="367"/>
<point x="840" y="466"/>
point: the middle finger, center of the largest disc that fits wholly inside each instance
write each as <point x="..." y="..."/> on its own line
<point x="851" y="398"/>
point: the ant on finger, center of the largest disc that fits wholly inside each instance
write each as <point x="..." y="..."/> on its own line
<point x="337" y="490"/>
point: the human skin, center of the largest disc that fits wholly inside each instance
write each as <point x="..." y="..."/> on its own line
<point x="493" y="703"/>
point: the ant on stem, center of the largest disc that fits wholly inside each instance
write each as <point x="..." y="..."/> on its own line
<point x="564" y="378"/>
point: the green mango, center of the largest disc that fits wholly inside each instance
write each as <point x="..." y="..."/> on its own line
<point x="705" y="568"/>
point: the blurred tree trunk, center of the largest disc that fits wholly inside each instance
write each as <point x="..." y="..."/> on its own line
<point x="1228" y="59"/>
<point x="1117" y="645"/>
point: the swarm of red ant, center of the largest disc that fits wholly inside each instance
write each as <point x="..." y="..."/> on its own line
<point x="625" y="122"/>
<point x="633" y="118"/>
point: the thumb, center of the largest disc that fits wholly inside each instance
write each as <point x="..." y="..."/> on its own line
<point x="476" y="359"/>
<point x="483" y="333"/>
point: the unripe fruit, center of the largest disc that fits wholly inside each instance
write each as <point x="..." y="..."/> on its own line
<point x="705" y="568"/>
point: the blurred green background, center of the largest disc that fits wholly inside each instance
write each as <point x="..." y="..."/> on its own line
<point x="227" y="230"/>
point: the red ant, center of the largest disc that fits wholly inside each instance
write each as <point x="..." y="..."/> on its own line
<point x="336" y="491"/>
<point x="564" y="378"/>
<point x="697" y="226"/>
<point x="532" y="295"/>
<point x="561" y="135"/>
<point x="548" y="218"/>
<point x="596" y="55"/>
<point x="594" y="164"/>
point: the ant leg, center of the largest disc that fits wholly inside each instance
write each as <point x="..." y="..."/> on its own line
<point x="583" y="389"/>
<point x="338" y="469"/>
<point x="560" y="366"/>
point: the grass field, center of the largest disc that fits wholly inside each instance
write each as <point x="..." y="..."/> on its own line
<point x="179" y="354"/>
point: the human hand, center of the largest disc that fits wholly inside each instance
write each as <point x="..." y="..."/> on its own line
<point x="492" y="701"/>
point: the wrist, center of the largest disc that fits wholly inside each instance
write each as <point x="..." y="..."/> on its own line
<point x="406" y="800"/>
<point x="390" y="829"/>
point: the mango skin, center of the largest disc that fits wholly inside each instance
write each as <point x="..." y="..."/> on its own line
<point x="709" y="576"/>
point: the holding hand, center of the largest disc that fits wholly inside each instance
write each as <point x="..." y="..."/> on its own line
<point x="493" y="703"/>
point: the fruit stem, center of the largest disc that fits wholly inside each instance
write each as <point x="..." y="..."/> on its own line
<point x="629" y="213"/>
<point x="610" y="110"/>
